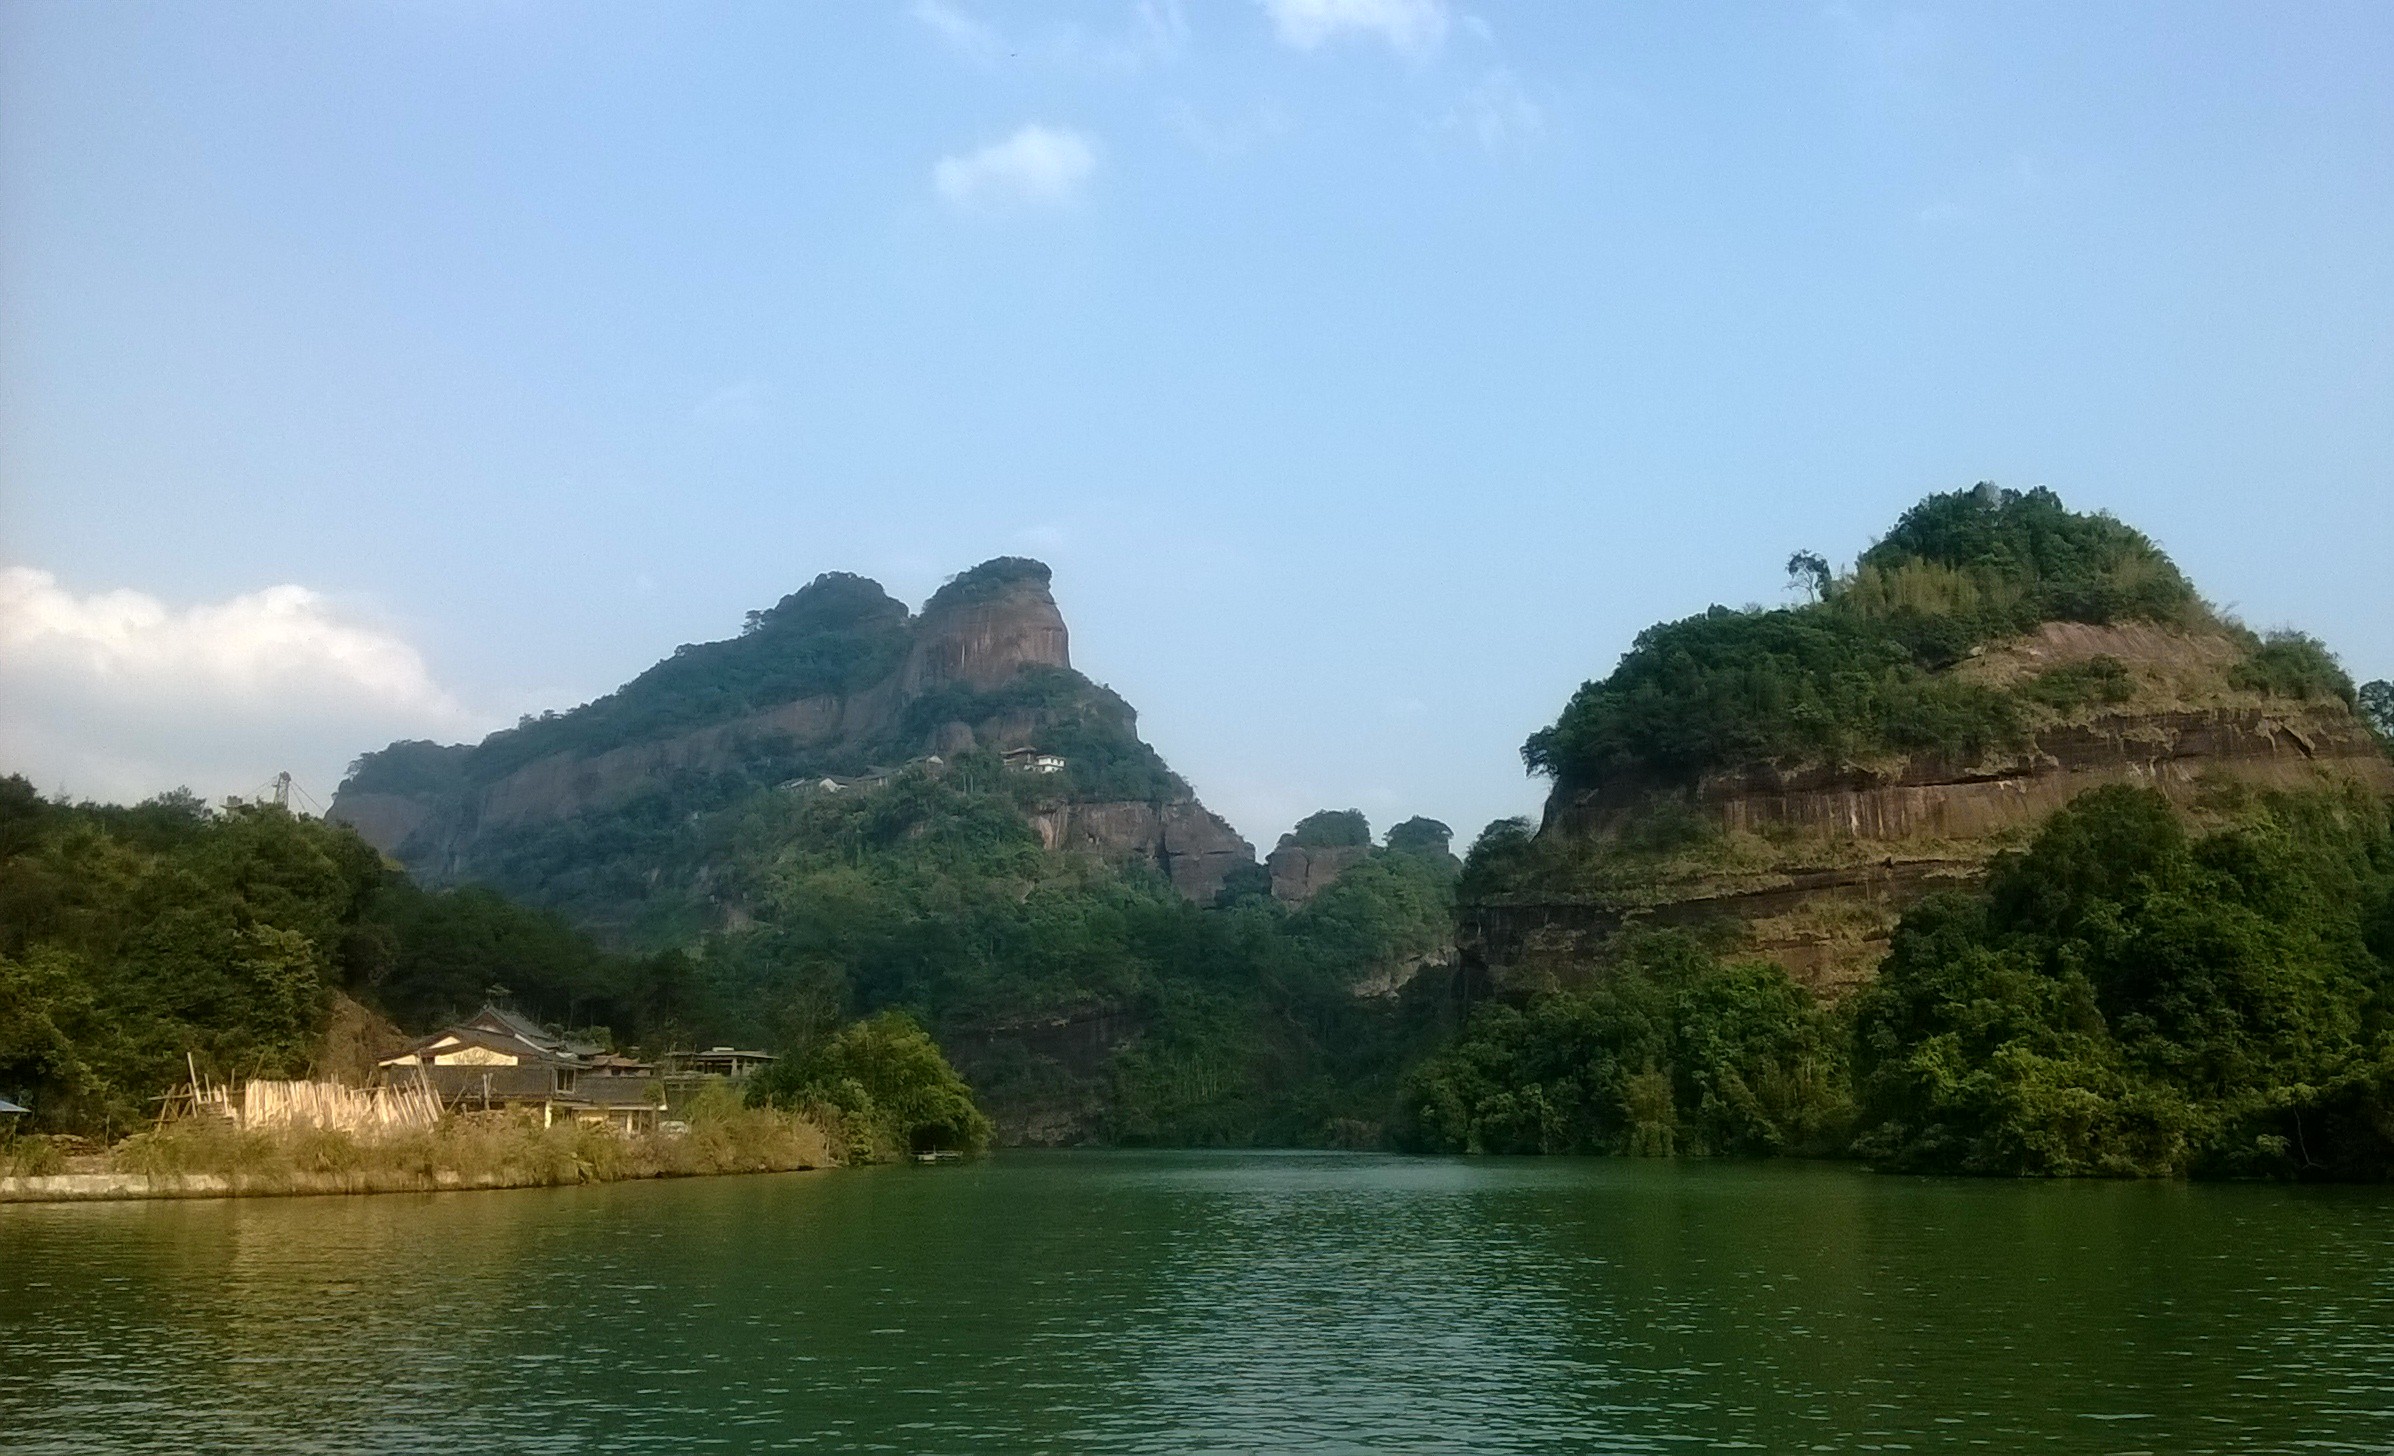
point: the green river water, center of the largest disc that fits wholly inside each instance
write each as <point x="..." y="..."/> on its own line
<point x="1212" y="1302"/>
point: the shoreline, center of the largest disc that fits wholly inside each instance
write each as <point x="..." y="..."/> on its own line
<point x="148" y="1187"/>
<point x="471" y="1152"/>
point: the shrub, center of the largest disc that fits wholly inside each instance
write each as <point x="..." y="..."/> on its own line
<point x="2075" y="686"/>
<point x="1860" y="673"/>
<point x="2293" y="665"/>
<point x="1332" y="829"/>
<point x="889" y="1084"/>
<point x="2127" y="997"/>
<point x="1671" y="1051"/>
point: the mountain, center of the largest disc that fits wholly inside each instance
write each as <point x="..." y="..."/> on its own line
<point x="602" y="811"/>
<point x="1793" y="778"/>
<point x="850" y="807"/>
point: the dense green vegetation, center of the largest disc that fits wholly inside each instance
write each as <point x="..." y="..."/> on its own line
<point x="931" y="895"/>
<point x="2376" y="703"/>
<point x="1090" y="727"/>
<point x="991" y="579"/>
<point x="132" y="938"/>
<point x="2293" y="665"/>
<point x="129" y="937"/>
<point x="886" y="1084"/>
<point x="838" y="633"/>
<point x="1860" y="672"/>
<point x="1671" y="1051"/>
<point x="1331" y="829"/>
<point x="2129" y="997"/>
<point x="1420" y="835"/>
<point x="427" y="957"/>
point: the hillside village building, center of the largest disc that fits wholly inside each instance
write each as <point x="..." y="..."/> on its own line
<point x="497" y="1058"/>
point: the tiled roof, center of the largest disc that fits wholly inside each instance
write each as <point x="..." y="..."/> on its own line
<point x="501" y="1019"/>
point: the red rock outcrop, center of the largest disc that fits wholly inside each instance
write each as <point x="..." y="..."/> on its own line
<point x="1301" y="871"/>
<point x="979" y="634"/>
<point x="1193" y="846"/>
<point x="1831" y="856"/>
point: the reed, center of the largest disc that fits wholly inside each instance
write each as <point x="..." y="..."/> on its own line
<point x="496" y="1149"/>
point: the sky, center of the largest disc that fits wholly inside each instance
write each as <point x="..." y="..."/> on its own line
<point x="1369" y="371"/>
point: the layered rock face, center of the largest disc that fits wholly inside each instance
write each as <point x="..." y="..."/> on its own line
<point x="983" y="642"/>
<point x="1814" y="866"/>
<point x="884" y="686"/>
<point x="1193" y="846"/>
<point x="1300" y="871"/>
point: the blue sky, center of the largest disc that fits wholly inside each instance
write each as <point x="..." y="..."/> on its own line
<point x="1370" y="371"/>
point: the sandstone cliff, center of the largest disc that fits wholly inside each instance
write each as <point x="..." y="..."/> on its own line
<point x="1191" y="845"/>
<point x="1322" y="846"/>
<point x="1301" y="871"/>
<point x="837" y="680"/>
<point x="1811" y="864"/>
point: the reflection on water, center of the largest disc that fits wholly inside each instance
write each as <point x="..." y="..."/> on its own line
<point x="1179" y="1302"/>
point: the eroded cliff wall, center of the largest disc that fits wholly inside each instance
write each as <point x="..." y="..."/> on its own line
<point x="973" y="641"/>
<point x="1812" y="866"/>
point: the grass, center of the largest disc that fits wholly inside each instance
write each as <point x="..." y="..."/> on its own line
<point x="486" y="1150"/>
<point x="31" y="1157"/>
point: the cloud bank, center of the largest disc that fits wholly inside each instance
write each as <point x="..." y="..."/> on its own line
<point x="117" y="696"/>
<point x="1037" y="166"/>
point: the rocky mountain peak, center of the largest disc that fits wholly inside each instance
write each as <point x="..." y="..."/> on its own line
<point x="986" y="625"/>
<point x="836" y="682"/>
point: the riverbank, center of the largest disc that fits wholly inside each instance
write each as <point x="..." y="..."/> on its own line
<point x="474" y="1151"/>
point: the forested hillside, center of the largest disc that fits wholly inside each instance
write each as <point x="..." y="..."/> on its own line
<point x="1864" y="671"/>
<point x="131" y="938"/>
<point x="613" y="812"/>
<point x="2003" y="853"/>
<point x="1085" y="1000"/>
<point x="1805" y="772"/>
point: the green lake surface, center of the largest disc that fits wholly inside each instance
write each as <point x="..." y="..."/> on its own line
<point x="1212" y="1302"/>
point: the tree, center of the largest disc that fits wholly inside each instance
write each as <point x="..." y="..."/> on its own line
<point x="2130" y="998"/>
<point x="887" y="1077"/>
<point x="1332" y="829"/>
<point x="2377" y="707"/>
<point x="1422" y="836"/>
<point x="1809" y="570"/>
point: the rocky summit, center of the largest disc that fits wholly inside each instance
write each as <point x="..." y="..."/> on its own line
<point x="1792" y="779"/>
<point x="836" y="689"/>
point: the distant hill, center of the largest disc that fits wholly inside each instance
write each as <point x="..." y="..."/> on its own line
<point x="603" y="811"/>
<point x="851" y="807"/>
<point x="1798" y="775"/>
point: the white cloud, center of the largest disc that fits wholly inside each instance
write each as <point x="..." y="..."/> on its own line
<point x="1413" y="27"/>
<point x="1038" y="165"/>
<point x="118" y="696"/>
